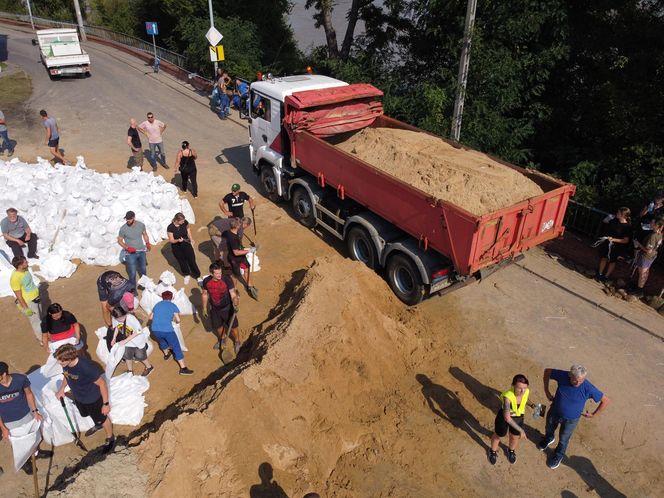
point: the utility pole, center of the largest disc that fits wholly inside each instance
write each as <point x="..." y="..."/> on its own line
<point x="212" y="26"/>
<point x="79" y="18"/>
<point x="32" y="23"/>
<point x="463" y="69"/>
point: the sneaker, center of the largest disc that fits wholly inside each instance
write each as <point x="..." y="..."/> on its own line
<point x="187" y="279"/>
<point x="109" y="445"/>
<point x="554" y="462"/>
<point x="493" y="457"/>
<point x="598" y="276"/>
<point x="603" y="279"/>
<point x="44" y="454"/>
<point x="92" y="430"/>
<point x="511" y="456"/>
<point x="10" y="153"/>
<point x="168" y="354"/>
<point x="217" y="346"/>
<point x="147" y="371"/>
<point x="545" y="443"/>
<point x="186" y="371"/>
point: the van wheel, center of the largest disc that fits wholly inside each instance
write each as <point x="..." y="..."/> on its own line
<point x="361" y="247"/>
<point x="405" y="280"/>
<point x="303" y="207"/>
<point x="269" y="184"/>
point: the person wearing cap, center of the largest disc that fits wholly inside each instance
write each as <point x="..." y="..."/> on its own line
<point x="185" y="163"/>
<point x="59" y="327"/>
<point x="568" y="407"/>
<point x="17" y="407"/>
<point x="27" y="300"/>
<point x="163" y="315"/>
<point x="133" y="238"/>
<point x="114" y="290"/>
<point x="235" y="201"/>
<point x="216" y="230"/>
<point x="89" y="390"/>
<point x="127" y="331"/>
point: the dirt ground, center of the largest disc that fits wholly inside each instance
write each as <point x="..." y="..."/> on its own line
<point x="470" y="179"/>
<point x="341" y="389"/>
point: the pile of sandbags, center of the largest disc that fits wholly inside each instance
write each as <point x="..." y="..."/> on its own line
<point x="77" y="212"/>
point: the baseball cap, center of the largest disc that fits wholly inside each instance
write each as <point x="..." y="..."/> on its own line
<point x="4" y="368"/>
<point x="130" y="215"/>
<point x="235" y="187"/>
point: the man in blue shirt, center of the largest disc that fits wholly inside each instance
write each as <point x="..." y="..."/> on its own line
<point x="568" y="407"/>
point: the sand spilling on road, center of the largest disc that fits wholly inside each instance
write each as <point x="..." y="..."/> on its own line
<point x="320" y="405"/>
<point x="469" y="179"/>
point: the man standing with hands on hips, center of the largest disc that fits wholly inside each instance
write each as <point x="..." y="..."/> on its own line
<point x="567" y="408"/>
<point x="133" y="238"/>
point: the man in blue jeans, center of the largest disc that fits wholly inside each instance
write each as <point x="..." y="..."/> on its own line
<point x="133" y="238"/>
<point x="5" y="143"/>
<point x="567" y="408"/>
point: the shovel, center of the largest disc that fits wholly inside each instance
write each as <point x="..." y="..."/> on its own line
<point x="539" y="410"/>
<point x="253" y="291"/>
<point x="253" y="244"/>
<point x="77" y="440"/>
<point x="253" y="220"/>
<point x="225" y="358"/>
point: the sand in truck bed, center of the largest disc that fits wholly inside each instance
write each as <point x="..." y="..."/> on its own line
<point x="468" y="179"/>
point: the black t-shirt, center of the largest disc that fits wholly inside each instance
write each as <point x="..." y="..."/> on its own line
<point x="81" y="379"/>
<point x="218" y="290"/>
<point x="233" y="242"/>
<point x="236" y="204"/>
<point x="111" y="286"/>
<point x="59" y="329"/>
<point x="617" y="230"/>
<point x="135" y="137"/>
<point x="179" y="232"/>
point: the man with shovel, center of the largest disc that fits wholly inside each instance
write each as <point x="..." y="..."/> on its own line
<point x="220" y="300"/>
<point x="237" y="256"/>
<point x="89" y="389"/>
<point x="17" y="407"/>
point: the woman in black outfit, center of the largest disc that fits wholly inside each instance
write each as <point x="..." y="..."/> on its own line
<point x="179" y="235"/>
<point x="617" y="230"/>
<point x="186" y="164"/>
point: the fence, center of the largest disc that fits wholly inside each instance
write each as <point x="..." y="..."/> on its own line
<point x="584" y="219"/>
<point x="164" y="54"/>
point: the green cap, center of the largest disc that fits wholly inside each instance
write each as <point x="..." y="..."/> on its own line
<point x="235" y="187"/>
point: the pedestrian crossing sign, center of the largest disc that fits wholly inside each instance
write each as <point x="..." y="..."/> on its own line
<point x="217" y="53"/>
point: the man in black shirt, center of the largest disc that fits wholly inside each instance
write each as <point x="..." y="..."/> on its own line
<point x="134" y="142"/>
<point x="237" y="256"/>
<point x="216" y="229"/>
<point x="235" y="202"/>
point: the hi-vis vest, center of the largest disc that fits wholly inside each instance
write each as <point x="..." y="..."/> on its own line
<point x="516" y="411"/>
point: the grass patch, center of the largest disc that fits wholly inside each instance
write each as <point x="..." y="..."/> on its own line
<point x="16" y="88"/>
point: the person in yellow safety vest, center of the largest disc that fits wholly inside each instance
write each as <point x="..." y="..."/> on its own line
<point x="510" y="417"/>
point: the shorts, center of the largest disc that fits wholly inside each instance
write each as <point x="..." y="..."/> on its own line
<point x="617" y="250"/>
<point x="135" y="354"/>
<point x="92" y="410"/>
<point x="501" y="427"/>
<point x="236" y="265"/>
<point x="644" y="263"/>
<point x="54" y="142"/>
<point x="220" y="317"/>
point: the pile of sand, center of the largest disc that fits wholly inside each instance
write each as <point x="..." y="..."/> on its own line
<point x="319" y="406"/>
<point x="468" y="179"/>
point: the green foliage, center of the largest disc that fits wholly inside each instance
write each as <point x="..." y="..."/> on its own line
<point x="13" y="6"/>
<point x="116" y="15"/>
<point x="61" y="10"/>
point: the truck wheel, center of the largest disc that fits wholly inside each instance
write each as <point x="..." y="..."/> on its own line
<point x="269" y="184"/>
<point x="304" y="208"/>
<point x="404" y="279"/>
<point x="361" y="247"/>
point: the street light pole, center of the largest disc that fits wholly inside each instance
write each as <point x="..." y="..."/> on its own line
<point x="212" y="26"/>
<point x="27" y="2"/>
<point x="79" y="18"/>
<point x="463" y="69"/>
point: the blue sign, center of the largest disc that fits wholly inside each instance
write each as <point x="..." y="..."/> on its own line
<point x="151" y="28"/>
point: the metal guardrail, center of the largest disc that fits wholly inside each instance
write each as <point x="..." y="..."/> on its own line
<point x="584" y="219"/>
<point x="164" y="54"/>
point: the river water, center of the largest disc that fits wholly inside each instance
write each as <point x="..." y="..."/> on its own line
<point x="307" y="35"/>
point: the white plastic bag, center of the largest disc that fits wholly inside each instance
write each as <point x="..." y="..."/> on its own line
<point x="25" y="440"/>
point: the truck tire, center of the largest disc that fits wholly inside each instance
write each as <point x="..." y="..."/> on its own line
<point x="269" y="184"/>
<point x="361" y="247"/>
<point x="303" y="207"/>
<point x="405" y="280"/>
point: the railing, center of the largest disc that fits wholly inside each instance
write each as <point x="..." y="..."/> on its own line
<point x="584" y="219"/>
<point x="164" y="54"/>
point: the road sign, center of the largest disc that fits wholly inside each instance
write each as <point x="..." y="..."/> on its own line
<point x="151" y="28"/>
<point x="213" y="36"/>
<point x="217" y="53"/>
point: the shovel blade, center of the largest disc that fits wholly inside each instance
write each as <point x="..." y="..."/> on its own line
<point x="80" y="444"/>
<point x="253" y="292"/>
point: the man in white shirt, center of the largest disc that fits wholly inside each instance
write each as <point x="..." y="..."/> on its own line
<point x="154" y="129"/>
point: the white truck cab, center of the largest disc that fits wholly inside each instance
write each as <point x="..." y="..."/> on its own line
<point x="61" y="52"/>
<point x="266" y="136"/>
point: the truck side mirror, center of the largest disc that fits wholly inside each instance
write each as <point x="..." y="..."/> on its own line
<point x="34" y="42"/>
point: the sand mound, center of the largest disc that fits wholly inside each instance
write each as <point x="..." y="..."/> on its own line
<point x="469" y="179"/>
<point x="318" y="406"/>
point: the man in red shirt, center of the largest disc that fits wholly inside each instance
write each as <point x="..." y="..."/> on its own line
<point x="220" y="296"/>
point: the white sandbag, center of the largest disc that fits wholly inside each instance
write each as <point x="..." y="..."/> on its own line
<point x="183" y="303"/>
<point x="254" y="262"/>
<point x="25" y="440"/>
<point x="127" y="399"/>
<point x="167" y="277"/>
<point x="178" y="333"/>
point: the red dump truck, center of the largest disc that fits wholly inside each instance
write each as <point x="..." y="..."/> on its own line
<point x="424" y="245"/>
